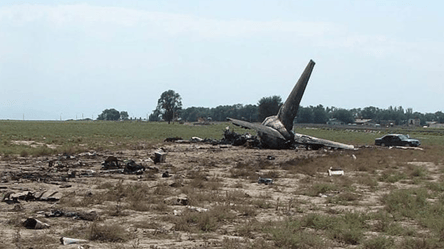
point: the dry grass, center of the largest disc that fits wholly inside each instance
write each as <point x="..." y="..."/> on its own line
<point x="388" y="198"/>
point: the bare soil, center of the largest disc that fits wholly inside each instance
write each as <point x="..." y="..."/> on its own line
<point x="207" y="177"/>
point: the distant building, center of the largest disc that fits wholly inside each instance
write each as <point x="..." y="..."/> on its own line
<point x="360" y="121"/>
<point x="435" y="125"/>
<point x="334" y="121"/>
<point x="387" y="123"/>
<point x="414" y="122"/>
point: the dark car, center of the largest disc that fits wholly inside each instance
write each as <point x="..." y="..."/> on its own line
<point x="397" y="140"/>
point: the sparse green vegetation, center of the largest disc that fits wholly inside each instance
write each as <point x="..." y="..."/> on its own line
<point x="388" y="198"/>
<point x="77" y="136"/>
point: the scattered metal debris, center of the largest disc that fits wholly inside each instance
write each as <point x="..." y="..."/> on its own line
<point x="406" y="148"/>
<point x="69" y="241"/>
<point x="32" y="223"/>
<point x="88" y="173"/>
<point x="265" y="181"/>
<point x="159" y="156"/>
<point x="229" y="138"/>
<point x="111" y="163"/>
<point x="191" y="208"/>
<point x="166" y="174"/>
<point x="197" y="139"/>
<point x="11" y="197"/>
<point x="89" y="216"/>
<point x="197" y="209"/>
<point x="177" y="200"/>
<point x="236" y="139"/>
<point x="330" y="194"/>
<point x="335" y="172"/>
<point x="132" y="168"/>
<point x="172" y="139"/>
<point x="90" y="155"/>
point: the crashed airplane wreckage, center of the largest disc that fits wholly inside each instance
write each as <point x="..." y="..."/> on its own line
<point x="276" y="132"/>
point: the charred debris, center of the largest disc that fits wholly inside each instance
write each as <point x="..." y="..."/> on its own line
<point x="64" y="170"/>
<point x="275" y="132"/>
<point x="229" y="138"/>
<point x="232" y="138"/>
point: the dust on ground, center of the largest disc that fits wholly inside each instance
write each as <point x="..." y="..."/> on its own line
<point x="202" y="177"/>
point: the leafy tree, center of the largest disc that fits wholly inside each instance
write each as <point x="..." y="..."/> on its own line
<point x="369" y="112"/>
<point x="344" y="115"/>
<point x="268" y="106"/>
<point x="222" y="112"/>
<point x="319" y="115"/>
<point x="168" y="105"/>
<point x="249" y="113"/>
<point x="155" y="116"/>
<point x="124" y="115"/>
<point x="439" y="116"/>
<point x="305" y="115"/>
<point x="109" y="114"/>
<point x="428" y="117"/>
<point x="356" y="112"/>
<point x="192" y="114"/>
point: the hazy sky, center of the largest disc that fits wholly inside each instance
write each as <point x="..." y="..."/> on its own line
<point x="72" y="58"/>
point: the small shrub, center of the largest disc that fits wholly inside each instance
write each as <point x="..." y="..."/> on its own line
<point x="406" y="202"/>
<point x="161" y="189"/>
<point x="317" y="221"/>
<point x="249" y="229"/>
<point x="246" y="210"/>
<point x="14" y="221"/>
<point x="261" y="203"/>
<point x="191" y="221"/>
<point x="418" y="172"/>
<point x="300" y="166"/>
<point x="105" y="185"/>
<point x="391" y="176"/>
<point x="435" y="186"/>
<point x="289" y="234"/>
<point x="344" y="198"/>
<point x="319" y="188"/>
<point x="368" y="181"/>
<point x="107" y="233"/>
<point x="243" y="173"/>
<point x="347" y="228"/>
<point x="24" y="153"/>
<point x="236" y="196"/>
<point x="43" y="151"/>
<point x="379" y="242"/>
<point x="424" y="243"/>
<point x="383" y="221"/>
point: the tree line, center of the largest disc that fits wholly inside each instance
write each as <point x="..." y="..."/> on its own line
<point x="169" y="108"/>
<point x="312" y="114"/>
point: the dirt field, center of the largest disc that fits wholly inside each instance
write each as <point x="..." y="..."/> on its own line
<point x="212" y="198"/>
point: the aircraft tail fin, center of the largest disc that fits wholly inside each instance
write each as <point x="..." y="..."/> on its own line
<point x="289" y="109"/>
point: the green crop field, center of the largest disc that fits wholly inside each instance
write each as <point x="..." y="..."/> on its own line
<point x="77" y="136"/>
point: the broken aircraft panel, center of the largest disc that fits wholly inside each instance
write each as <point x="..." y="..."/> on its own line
<point x="276" y="132"/>
<point x="317" y="143"/>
